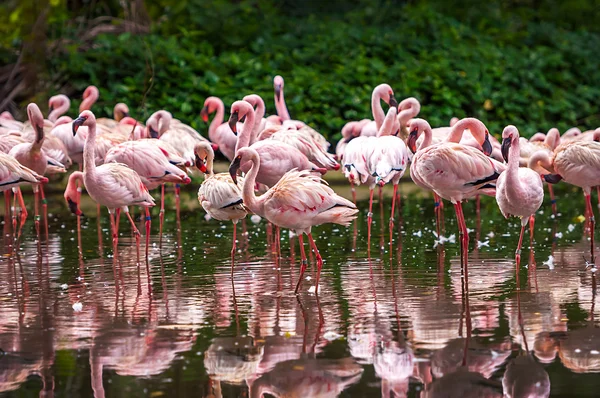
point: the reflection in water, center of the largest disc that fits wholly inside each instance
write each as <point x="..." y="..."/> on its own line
<point x="405" y="321"/>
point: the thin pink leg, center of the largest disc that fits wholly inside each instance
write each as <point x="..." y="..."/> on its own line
<point x="518" y="252"/>
<point x="148" y="225"/>
<point x="304" y="262"/>
<point x="113" y="228"/>
<point x="233" y="247"/>
<point x="136" y="232"/>
<point x="393" y="204"/>
<point x="14" y="211"/>
<point x="319" y="261"/>
<point x="531" y="229"/>
<point x="462" y="225"/>
<point x="588" y="203"/>
<point x="353" y="189"/>
<point x="44" y="208"/>
<point x="369" y="220"/>
<point x="36" y="210"/>
<point x="23" y="211"/>
<point x="552" y="199"/>
<point x="161" y="216"/>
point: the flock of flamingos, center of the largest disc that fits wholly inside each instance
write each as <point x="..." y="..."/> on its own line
<point x="121" y="160"/>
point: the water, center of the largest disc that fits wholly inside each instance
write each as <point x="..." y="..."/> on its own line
<point x="397" y="323"/>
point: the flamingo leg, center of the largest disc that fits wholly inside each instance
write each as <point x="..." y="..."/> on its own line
<point x="23" y="211"/>
<point x="136" y="232"/>
<point x="518" y="252"/>
<point x="381" y="217"/>
<point x="148" y="224"/>
<point x="369" y="220"/>
<point x="161" y="216"/>
<point x="44" y="208"/>
<point x="36" y="209"/>
<point x="588" y="203"/>
<point x="177" y="199"/>
<point x="233" y="246"/>
<point x="394" y="204"/>
<point x="113" y="228"/>
<point x="14" y="210"/>
<point x="464" y="234"/>
<point x="531" y="228"/>
<point x="277" y="240"/>
<point x="552" y="199"/>
<point x="353" y="189"/>
<point x="319" y="261"/>
<point x="304" y="262"/>
<point x="438" y="207"/>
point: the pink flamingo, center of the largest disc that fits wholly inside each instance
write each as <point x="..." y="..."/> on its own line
<point x="388" y="158"/>
<point x="277" y="157"/>
<point x="33" y="157"/>
<point x="58" y="105"/>
<point x="13" y="174"/>
<point x="219" y="195"/>
<point x="298" y="201"/>
<point x="113" y="185"/>
<point x="218" y="132"/>
<point x="408" y="109"/>
<point x="260" y="121"/>
<point x="280" y="105"/>
<point x="576" y="162"/>
<point x="519" y="190"/>
<point x="454" y="171"/>
<point x="381" y="92"/>
<point x="350" y="131"/>
<point x="151" y="163"/>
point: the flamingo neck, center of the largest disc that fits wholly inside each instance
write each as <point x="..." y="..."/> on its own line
<point x="541" y="158"/>
<point x="248" y="195"/>
<point x="209" y="162"/>
<point x="388" y="123"/>
<point x="281" y="107"/>
<point x="474" y="126"/>
<point x="217" y="121"/>
<point x="512" y="171"/>
<point x="246" y="133"/>
<point x="65" y="104"/>
<point x="378" y="114"/>
<point x="259" y="113"/>
<point x="427" y="137"/>
<point x="552" y="139"/>
<point x="88" y="101"/>
<point x="89" y="151"/>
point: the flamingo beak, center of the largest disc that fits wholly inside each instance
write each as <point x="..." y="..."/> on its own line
<point x="73" y="207"/>
<point x="50" y="109"/>
<point x="125" y="114"/>
<point x="552" y="178"/>
<point x="278" y="92"/>
<point x="204" y="114"/>
<point x="393" y="101"/>
<point x="487" y="145"/>
<point x="77" y="123"/>
<point x="233" y="119"/>
<point x="412" y="140"/>
<point x="200" y="164"/>
<point x="234" y="167"/>
<point x="153" y="133"/>
<point x="505" y="148"/>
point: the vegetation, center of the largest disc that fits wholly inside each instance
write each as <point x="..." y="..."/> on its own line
<point x="502" y="62"/>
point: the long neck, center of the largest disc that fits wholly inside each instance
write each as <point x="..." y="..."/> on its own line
<point x="512" y="171"/>
<point x="89" y="151"/>
<point x="474" y="126"/>
<point x="388" y="123"/>
<point x="218" y="120"/>
<point x="246" y="133"/>
<point x="259" y="113"/>
<point x="541" y="158"/>
<point x="378" y="114"/>
<point x="552" y="139"/>
<point x="248" y="195"/>
<point x="209" y="162"/>
<point x="281" y="107"/>
<point x="56" y="113"/>
<point x="427" y="137"/>
<point x="39" y="136"/>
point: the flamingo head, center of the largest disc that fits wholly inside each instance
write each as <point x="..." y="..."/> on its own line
<point x="204" y="114"/>
<point x="393" y="102"/>
<point x="234" y="167"/>
<point x="509" y="134"/>
<point x="121" y="111"/>
<point x="200" y="164"/>
<point x="411" y="142"/>
<point x="86" y="118"/>
<point x="233" y="120"/>
<point x="487" y="145"/>
<point x="278" y="86"/>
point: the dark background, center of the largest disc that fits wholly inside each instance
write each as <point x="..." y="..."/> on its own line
<point x="529" y="63"/>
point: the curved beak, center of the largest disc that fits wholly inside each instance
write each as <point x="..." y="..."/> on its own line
<point x="153" y="133"/>
<point x="50" y="109"/>
<point x="77" y="123"/>
<point x="393" y="101"/>
<point x="200" y="164"/>
<point x="233" y="119"/>
<point x="487" y="145"/>
<point x="278" y="91"/>
<point x="125" y="114"/>
<point x="505" y="147"/>
<point x="204" y="114"/>
<point x="234" y="167"/>
<point x="411" y="142"/>
<point x="74" y="208"/>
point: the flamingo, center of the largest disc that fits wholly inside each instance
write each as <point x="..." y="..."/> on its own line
<point x="277" y="157"/>
<point x="151" y="163"/>
<point x="577" y="163"/>
<point x="388" y="158"/>
<point x="381" y="92"/>
<point x="298" y="201"/>
<point x="218" y="132"/>
<point x="113" y="185"/>
<point x="454" y="171"/>
<point x="519" y="190"/>
<point x="32" y="156"/>
<point x="408" y="109"/>
<point x="14" y="174"/>
<point x="219" y="195"/>
<point x="58" y="105"/>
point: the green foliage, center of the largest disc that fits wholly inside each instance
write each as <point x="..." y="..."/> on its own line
<point x="516" y="70"/>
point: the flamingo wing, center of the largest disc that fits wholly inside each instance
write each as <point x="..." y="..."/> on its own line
<point x="121" y="186"/>
<point x="222" y="198"/>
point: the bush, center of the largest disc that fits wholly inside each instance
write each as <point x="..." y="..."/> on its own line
<point x="535" y="76"/>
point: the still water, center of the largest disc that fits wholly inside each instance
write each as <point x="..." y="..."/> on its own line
<point x="398" y="321"/>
